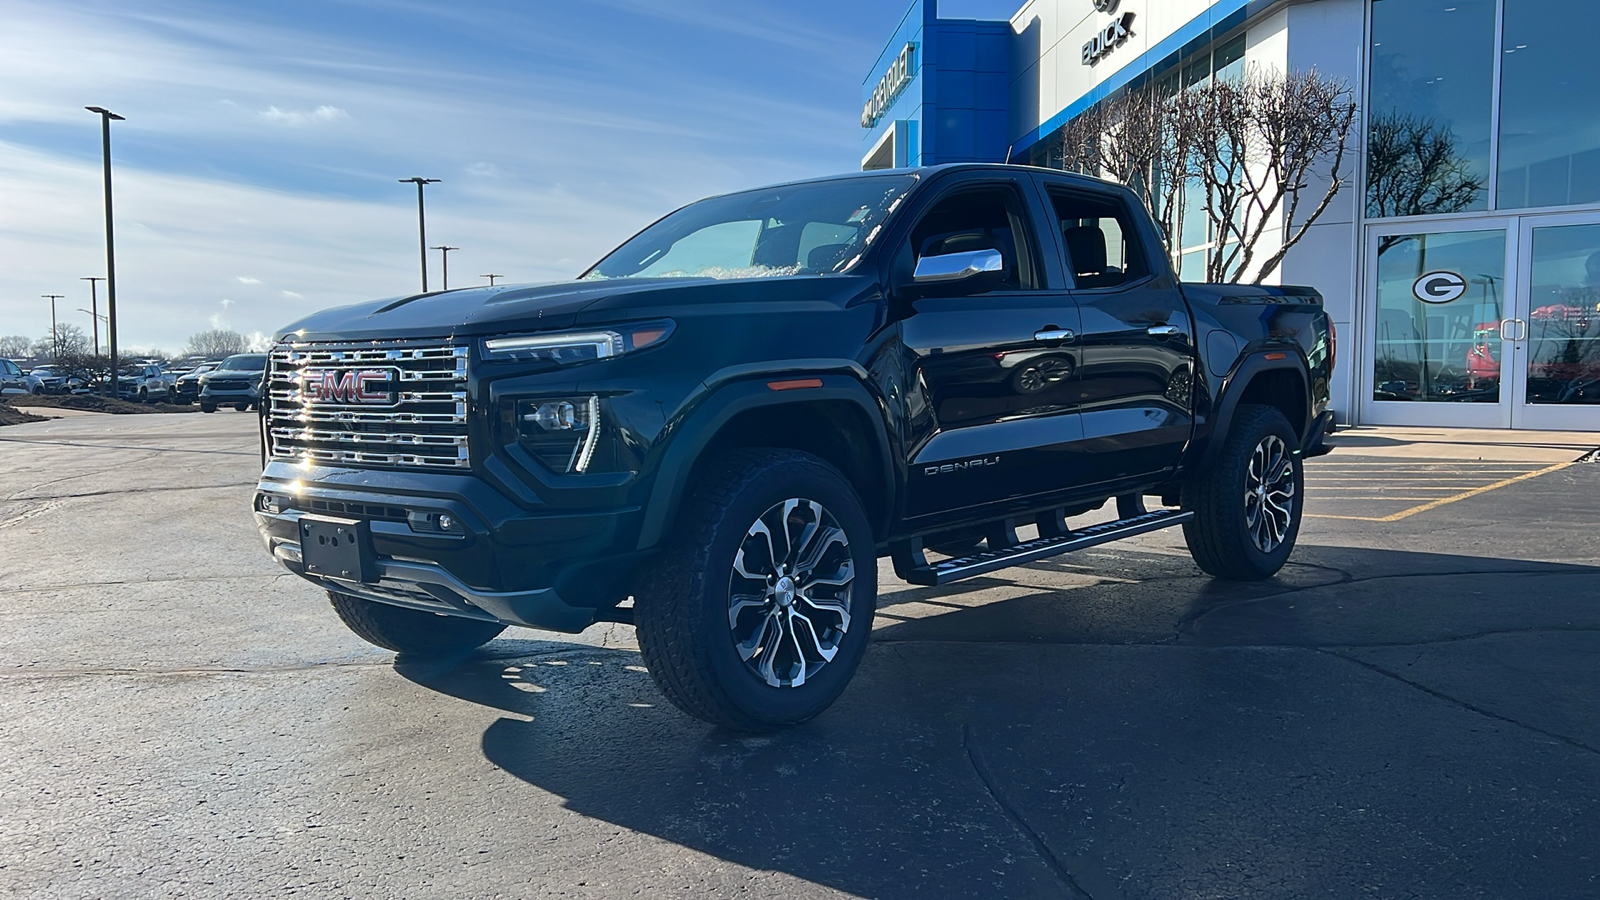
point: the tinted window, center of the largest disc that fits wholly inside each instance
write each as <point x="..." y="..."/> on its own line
<point x="1549" y="104"/>
<point x="987" y="218"/>
<point x="1100" y="240"/>
<point x="1429" y="111"/>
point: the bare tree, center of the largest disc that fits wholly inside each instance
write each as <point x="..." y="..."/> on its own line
<point x="1260" y="154"/>
<point x="68" y="340"/>
<point x="15" y="346"/>
<point x="217" y="343"/>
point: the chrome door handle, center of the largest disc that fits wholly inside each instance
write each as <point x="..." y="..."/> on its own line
<point x="1163" y="331"/>
<point x="1521" y="330"/>
<point x="1054" y="334"/>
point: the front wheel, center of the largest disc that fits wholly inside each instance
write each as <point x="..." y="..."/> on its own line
<point x="758" y="612"/>
<point x="410" y="631"/>
<point x="207" y="407"/>
<point x="1247" y="505"/>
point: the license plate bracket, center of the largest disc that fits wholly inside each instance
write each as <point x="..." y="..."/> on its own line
<point x="337" y="548"/>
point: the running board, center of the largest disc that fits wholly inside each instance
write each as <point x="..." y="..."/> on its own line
<point x="912" y="566"/>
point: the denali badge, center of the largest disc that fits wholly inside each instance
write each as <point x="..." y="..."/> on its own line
<point x="947" y="468"/>
<point x="366" y="387"/>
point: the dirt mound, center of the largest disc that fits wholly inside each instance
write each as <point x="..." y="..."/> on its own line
<point x="12" y="416"/>
<point x="94" y="403"/>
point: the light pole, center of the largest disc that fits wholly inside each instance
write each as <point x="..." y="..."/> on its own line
<point x="491" y="278"/>
<point x="106" y="116"/>
<point x="94" y="304"/>
<point x="444" y="257"/>
<point x="55" y="335"/>
<point x="422" y="225"/>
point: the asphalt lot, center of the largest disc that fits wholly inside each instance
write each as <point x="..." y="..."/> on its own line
<point x="1412" y="709"/>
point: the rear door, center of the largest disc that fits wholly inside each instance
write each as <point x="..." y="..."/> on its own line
<point x="991" y="411"/>
<point x="1136" y="379"/>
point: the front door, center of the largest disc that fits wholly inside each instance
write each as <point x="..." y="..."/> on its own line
<point x="1491" y="324"/>
<point x="990" y="393"/>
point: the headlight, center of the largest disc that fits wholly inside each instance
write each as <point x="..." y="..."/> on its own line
<point x="560" y="432"/>
<point x="579" y="346"/>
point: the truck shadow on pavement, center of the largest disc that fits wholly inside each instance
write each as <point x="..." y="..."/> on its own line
<point x="1426" y="726"/>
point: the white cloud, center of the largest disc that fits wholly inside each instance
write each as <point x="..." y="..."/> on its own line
<point x="291" y="295"/>
<point x="295" y="118"/>
<point x="246" y="279"/>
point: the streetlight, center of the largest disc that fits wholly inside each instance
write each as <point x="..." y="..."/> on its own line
<point x="444" y="257"/>
<point x="422" y="227"/>
<point x="94" y="302"/>
<point x="55" y="335"/>
<point x="106" y="116"/>
<point x="491" y="278"/>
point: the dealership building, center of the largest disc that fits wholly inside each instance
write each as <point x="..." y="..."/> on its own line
<point x="1460" y="263"/>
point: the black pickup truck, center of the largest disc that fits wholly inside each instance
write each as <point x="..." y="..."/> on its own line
<point x="718" y="430"/>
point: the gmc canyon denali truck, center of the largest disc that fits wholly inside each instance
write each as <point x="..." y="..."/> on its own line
<point x="730" y="418"/>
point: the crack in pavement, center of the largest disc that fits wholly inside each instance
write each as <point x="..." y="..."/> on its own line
<point x="144" y="490"/>
<point x="23" y="674"/>
<point x="1039" y="845"/>
<point x="124" y="583"/>
<point x="1440" y="695"/>
<point x="12" y="440"/>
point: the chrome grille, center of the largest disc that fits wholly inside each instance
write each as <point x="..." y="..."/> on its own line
<point x="425" y="426"/>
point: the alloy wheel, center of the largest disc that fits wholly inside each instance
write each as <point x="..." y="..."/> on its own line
<point x="1270" y="493"/>
<point x="789" y="592"/>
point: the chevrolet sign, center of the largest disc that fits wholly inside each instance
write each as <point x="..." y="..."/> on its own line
<point x="889" y="86"/>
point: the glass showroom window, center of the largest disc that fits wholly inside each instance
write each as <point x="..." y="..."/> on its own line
<point x="1549" y="104"/>
<point x="1430" y="105"/>
<point x="1196" y="236"/>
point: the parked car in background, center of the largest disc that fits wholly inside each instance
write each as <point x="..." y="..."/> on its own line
<point x="187" y="388"/>
<point x="58" y="379"/>
<point x="236" y="383"/>
<point x="143" y="383"/>
<point x="14" y="381"/>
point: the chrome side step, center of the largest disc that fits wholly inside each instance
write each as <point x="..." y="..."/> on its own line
<point x="911" y="565"/>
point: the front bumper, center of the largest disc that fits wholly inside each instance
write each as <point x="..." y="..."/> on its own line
<point x="428" y="587"/>
<point x="515" y="562"/>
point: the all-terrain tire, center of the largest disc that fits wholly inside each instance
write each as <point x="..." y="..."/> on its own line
<point x="1224" y="538"/>
<point x="684" y="604"/>
<point x="409" y="631"/>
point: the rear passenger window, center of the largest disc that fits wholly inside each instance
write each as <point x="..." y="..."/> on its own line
<point x="1100" y="240"/>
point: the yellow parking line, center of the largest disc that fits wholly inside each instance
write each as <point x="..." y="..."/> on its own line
<point x="1447" y="500"/>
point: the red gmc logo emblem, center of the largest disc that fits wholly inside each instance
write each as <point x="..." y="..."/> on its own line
<point x="366" y="387"/>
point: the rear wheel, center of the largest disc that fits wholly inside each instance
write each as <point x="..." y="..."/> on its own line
<point x="1247" y="505"/>
<point x="207" y="407"/>
<point x="759" y="611"/>
<point x="242" y="407"/>
<point x="410" y="631"/>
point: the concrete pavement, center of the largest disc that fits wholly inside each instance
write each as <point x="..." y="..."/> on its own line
<point x="1410" y="709"/>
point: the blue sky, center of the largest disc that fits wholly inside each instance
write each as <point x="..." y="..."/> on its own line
<point x="256" y="171"/>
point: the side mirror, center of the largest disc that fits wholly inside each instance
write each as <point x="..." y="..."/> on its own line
<point x="952" y="267"/>
<point x="956" y="274"/>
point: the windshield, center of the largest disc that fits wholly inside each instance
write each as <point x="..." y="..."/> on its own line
<point x="804" y="229"/>
<point x="251" y="363"/>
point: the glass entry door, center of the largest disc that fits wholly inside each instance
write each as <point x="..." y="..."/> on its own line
<point x="1436" y="324"/>
<point x="1554" y="332"/>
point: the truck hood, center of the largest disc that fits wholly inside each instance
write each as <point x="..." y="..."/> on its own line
<point x="472" y="311"/>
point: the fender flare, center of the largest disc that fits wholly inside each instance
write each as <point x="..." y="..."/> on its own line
<point x="1247" y="368"/>
<point x="688" y="438"/>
